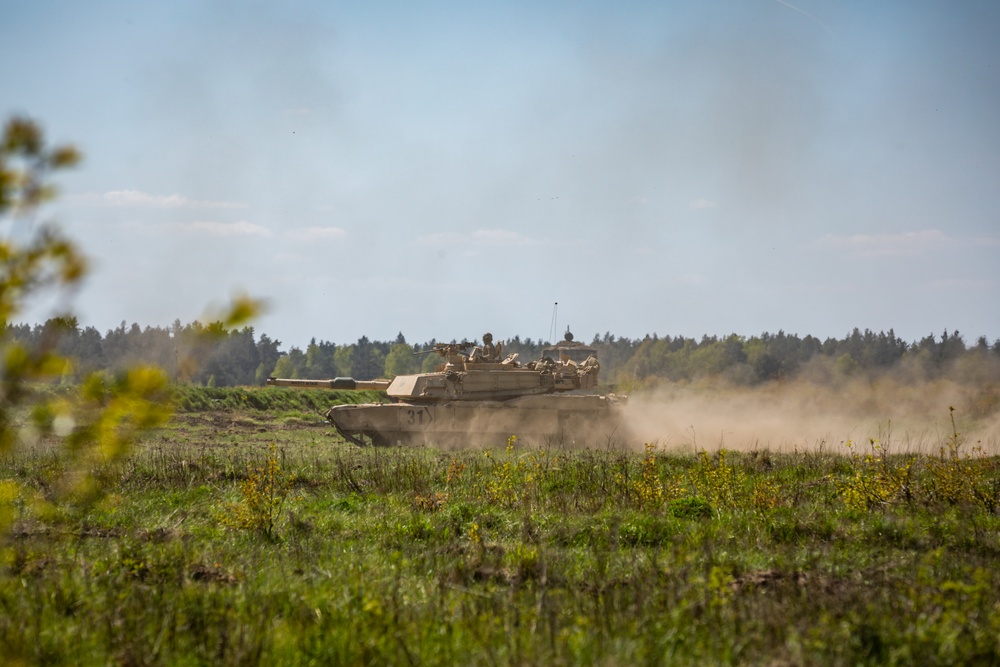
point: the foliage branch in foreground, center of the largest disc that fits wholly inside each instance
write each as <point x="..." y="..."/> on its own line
<point x="97" y="422"/>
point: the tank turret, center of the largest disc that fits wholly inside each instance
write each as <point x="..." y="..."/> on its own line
<point x="475" y="395"/>
<point x="569" y="349"/>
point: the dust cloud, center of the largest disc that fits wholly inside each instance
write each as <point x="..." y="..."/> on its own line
<point x="801" y="415"/>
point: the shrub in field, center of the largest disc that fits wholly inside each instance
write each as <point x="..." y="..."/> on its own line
<point x="648" y="531"/>
<point x="431" y="502"/>
<point x="439" y="500"/>
<point x="951" y="477"/>
<point x="505" y="486"/>
<point x="262" y="497"/>
<point x="454" y="473"/>
<point x="720" y="483"/>
<point x="512" y="478"/>
<point x="648" y="487"/>
<point x="875" y="478"/>
<point x="955" y="477"/>
<point x="690" y="508"/>
<point x="766" y="495"/>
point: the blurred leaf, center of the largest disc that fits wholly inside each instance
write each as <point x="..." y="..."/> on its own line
<point x="242" y="310"/>
<point x="65" y="156"/>
<point x="22" y="136"/>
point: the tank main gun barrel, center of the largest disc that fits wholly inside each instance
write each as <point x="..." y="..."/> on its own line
<point x="345" y="384"/>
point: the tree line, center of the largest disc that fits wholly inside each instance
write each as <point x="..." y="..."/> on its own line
<point x="211" y="355"/>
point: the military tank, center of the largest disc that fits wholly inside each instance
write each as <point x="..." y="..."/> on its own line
<point x="478" y="396"/>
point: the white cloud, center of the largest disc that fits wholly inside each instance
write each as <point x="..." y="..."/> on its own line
<point x="222" y="229"/>
<point x="144" y="199"/>
<point x="700" y="204"/>
<point x="316" y="233"/>
<point x="887" y="245"/>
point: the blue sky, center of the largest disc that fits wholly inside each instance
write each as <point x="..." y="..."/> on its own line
<point x="443" y="169"/>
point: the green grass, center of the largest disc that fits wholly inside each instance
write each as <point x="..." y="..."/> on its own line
<point x="191" y="398"/>
<point x="517" y="556"/>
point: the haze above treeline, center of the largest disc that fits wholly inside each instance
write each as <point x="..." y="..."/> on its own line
<point x="244" y="357"/>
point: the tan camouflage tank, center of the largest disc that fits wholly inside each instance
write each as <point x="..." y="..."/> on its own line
<point x="481" y="398"/>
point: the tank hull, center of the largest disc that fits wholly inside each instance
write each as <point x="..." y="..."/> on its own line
<point x="571" y="420"/>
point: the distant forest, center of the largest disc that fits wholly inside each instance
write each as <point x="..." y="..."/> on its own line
<point x="242" y="357"/>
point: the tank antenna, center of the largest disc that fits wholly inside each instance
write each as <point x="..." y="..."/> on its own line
<point x="554" y="328"/>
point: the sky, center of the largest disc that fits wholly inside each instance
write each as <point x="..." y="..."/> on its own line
<point x="443" y="169"/>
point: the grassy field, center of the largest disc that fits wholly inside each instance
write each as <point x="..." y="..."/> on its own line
<point x="249" y="533"/>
